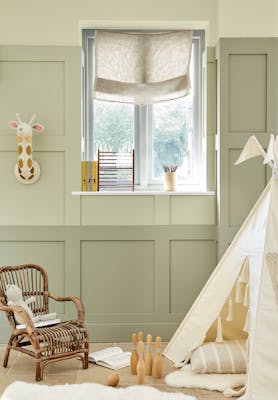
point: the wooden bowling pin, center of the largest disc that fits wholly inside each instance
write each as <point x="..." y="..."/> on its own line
<point x="148" y="356"/>
<point x="157" y="362"/>
<point x="134" y="355"/>
<point x="141" y="364"/>
<point x="140" y="337"/>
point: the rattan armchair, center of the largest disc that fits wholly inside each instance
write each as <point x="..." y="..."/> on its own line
<point x="46" y="344"/>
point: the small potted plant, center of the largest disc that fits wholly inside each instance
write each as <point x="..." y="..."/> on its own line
<point x="170" y="180"/>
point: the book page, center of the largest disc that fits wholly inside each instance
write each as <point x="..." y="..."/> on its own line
<point x="116" y="361"/>
<point x="105" y="353"/>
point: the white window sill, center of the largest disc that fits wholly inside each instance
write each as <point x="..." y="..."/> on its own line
<point x="144" y="193"/>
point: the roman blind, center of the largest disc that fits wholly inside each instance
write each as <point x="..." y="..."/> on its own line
<point x="142" y="68"/>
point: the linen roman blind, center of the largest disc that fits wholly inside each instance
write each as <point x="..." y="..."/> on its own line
<point x="142" y="68"/>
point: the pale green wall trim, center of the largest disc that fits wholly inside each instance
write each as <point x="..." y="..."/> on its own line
<point x="188" y="210"/>
<point x="247" y="105"/>
<point x="127" y="276"/>
<point x="148" y="210"/>
<point x="209" y="104"/>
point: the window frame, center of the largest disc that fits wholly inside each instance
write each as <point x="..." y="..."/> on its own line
<point x="143" y="119"/>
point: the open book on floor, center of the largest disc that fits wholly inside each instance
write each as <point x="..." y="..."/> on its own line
<point x="111" y="357"/>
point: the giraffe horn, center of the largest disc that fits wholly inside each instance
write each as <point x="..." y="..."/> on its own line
<point x="32" y="119"/>
<point x="18" y="118"/>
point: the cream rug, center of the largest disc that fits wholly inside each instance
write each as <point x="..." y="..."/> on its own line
<point x="186" y="378"/>
<point x="86" y="391"/>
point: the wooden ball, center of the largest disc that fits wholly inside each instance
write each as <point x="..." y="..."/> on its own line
<point x="113" y="379"/>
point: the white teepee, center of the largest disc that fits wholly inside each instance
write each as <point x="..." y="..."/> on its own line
<point x="251" y="254"/>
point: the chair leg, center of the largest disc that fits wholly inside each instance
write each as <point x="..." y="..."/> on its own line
<point x="7" y="353"/>
<point x="38" y="370"/>
<point x="85" y="360"/>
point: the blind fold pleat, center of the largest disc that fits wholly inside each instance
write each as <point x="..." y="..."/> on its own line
<point x="142" y="68"/>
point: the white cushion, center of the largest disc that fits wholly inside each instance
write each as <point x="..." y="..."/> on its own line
<point x="228" y="357"/>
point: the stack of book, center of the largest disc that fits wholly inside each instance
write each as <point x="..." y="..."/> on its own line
<point x="89" y="176"/>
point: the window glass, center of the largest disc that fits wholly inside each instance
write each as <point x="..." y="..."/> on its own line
<point x="172" y="129"/>
<point x="113" y="126"/>
<point x="171" y="139"/>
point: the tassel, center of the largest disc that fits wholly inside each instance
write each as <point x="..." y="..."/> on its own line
<point x="244" y="276"/>
<point x="246" y="300"/>
<point x="247" y="322"/>
<point x="238" y="296"/>
<point x="219" y="337"/>
<point x="230" y="311"/>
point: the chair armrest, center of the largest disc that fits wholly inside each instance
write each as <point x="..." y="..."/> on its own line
<point x="23" y="315"/>
<point x="78" y="303"/>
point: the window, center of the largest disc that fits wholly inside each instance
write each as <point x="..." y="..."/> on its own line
<point x="166" y="133"/>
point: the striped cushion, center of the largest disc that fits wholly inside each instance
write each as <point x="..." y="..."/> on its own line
<point x="228" y="357"/>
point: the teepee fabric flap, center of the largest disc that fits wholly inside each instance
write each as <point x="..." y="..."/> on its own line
<point x="252" y="148"/>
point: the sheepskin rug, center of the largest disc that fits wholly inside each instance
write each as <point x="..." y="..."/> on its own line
<point x="86" y="391"/>
<point x="186" y="378"/>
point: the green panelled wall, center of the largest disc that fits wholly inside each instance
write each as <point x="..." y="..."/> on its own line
<point x="138" y="262"/>
<point x="129" y="278"/>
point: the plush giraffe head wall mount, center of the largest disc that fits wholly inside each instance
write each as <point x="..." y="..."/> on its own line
<point x="27" y="170"/>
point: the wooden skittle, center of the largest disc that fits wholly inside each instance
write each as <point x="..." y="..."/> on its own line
<point x="134" y="355"/>
<point x="148" y="356"/>
<point x="157" y="362"/>
<point x="140" y="336"/>
<point x="141" y="364"/>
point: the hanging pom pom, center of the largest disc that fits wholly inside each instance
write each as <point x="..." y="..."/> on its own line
<point x="246" y="300"/>
<point x="230" y="310"/>
<point x="244" y="276"/>
<point x="219" y="337"/>
<point x="247" y="322"/>
<point x="238" y="296"/>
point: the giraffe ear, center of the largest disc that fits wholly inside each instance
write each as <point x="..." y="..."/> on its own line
<point x="13" y="124"/>
<point x="38" y="127"/>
